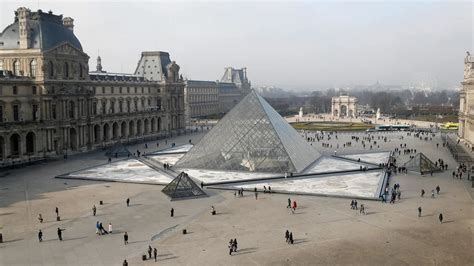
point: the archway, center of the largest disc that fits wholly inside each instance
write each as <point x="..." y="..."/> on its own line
<point x="131" y="128"/>
<point x="72" y="139"/>
<point x="159" y="124"/>
<point x="123" y="129"/>
<point x="153" y="125"/>
<point x="96" y="134"/>
<point x="2" y="148"/>
<point x="15" y="145"/>
<point x="139" y="128"/>
<point x="106" y="132"/>
<point x="30" y="143"/>
<point x="147" y="127"/>
<point x="115" y="130"/>
<point x="343" y="110"/>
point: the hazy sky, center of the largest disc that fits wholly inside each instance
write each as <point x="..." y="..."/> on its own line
<point x="289" y="44"/>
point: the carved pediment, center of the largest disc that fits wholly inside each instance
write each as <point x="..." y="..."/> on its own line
<point x="66" y="49"/>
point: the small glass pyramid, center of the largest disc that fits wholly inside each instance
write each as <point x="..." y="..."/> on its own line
<point x="117" y="150"/>
<point x="251" y="137"/>
<point x="183" y="187"/>
<point x="421" y="163"/>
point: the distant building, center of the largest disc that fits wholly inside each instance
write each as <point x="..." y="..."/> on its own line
<point x="344" y="106"/>
<point x="238" y="77"/>
<point x="204" y="98"/>
<point x="229" y="96"/>
<point x="466" y="104"/>
<point x="201" y="98"/>
<point x="51" y="104"/>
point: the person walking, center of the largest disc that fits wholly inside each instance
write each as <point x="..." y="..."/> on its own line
<point x="60" y="234"/>
<point x="172" y="212"/>
<point x="110" y="228"/>
<point x="57" y="212"/>
<point x="125" y="238"/>
<point x="437" y="190"/>
<point x="287" y="236"/>
<point x="150" y="250"/>
<point x="362" y="209"/>
<point x="256" y="193"/>
<point x="128" y="202"/>
<point x="289" y="203"/>
<point x="97" y="228"/>
<point x="419" y="211"/>
<point x="94" y="210"/>
<point x="422" y="193"/>
<point x="440" y="218"/>
<point x="155" y="253"/>
<point x="40" y="218"/>
<point x="231" y="246"/>
<point x="40" y="236"/>
<point x="125" y="263"/>
<point x="432" y="193"/>
<point x="291" y="238"/>
<point x="294" y="205"/>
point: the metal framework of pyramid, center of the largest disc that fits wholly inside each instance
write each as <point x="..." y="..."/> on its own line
<point x="183" y="187"/>
<point x="251" y="137"/>
<point x="117" y="150"/>
<point x="421" y="163"/>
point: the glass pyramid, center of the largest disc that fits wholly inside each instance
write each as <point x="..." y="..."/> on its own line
<point x="251" y="137"/>
<point x="117" y="150"/>
<point x="183" y="187"/>
<point x="421" y="163"/>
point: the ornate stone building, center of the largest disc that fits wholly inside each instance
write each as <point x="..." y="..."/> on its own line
<point x="50" y="104"/>
<point x="233" y="87"/>
<point x="344" y="106"/>
<point x="201" y="98"/>
<point x="466" y="104"/>
<point x="238" y="77"/>
<point x="229" y="96"/>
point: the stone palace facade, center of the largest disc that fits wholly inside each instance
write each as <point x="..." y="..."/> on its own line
<point x="50" y="104"/>
<point x="204" y="98"/>
<point x="466" y="104"/>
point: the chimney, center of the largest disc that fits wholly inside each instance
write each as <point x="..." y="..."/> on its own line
<point x="68" y="22"/>
<point x="23" y="14"/>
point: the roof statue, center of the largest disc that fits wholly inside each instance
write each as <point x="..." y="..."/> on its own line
<point x="421" y="163"/>
<point x="251" y="137"/>
<point x="183" y="187"/>
<point x="118" y="150"/>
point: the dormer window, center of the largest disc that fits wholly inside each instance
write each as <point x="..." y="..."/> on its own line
<point x="16" y="68"/>
<point x="33" y="68"/>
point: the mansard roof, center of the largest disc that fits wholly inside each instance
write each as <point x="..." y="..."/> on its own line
<point x="46" y="31"/>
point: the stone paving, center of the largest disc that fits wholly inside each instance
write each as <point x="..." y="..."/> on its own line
<point x="325" y="229"/>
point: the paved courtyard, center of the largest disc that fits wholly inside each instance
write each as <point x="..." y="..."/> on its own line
<point x="325" y="229"/>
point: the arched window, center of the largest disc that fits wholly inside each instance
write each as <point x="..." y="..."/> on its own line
<point x="16" y="68"/>
<point x="66" y="70"/>
<point x="51" y="69"/>
<point x="80" y="70"/>
<point x="71" y="109"/>
<point x="33" y="68"/>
